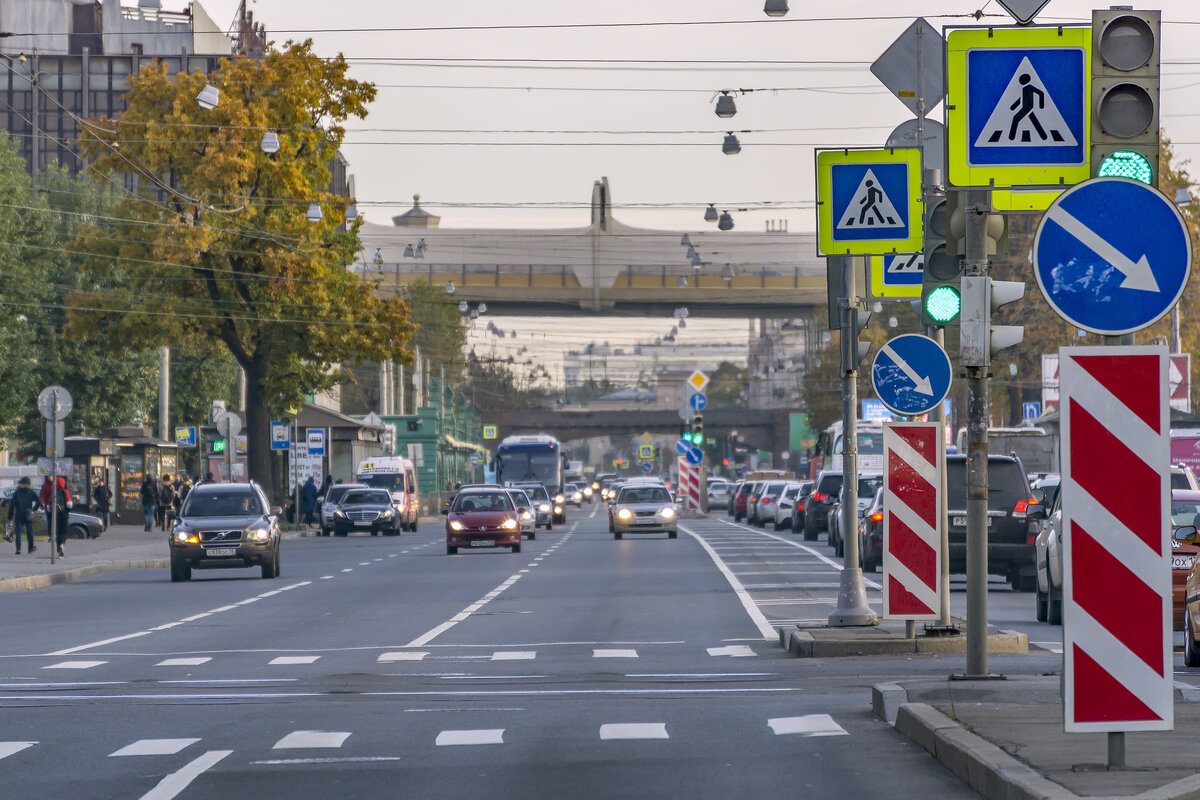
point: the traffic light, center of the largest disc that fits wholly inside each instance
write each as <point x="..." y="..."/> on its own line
<point x="219" y="446"/>
<point x="940" y="300"/>
<point x="979" y="339"/>
<point x="1124" y="118"/>
<point x="687" y="436"/>
<point x="697" y="430"/>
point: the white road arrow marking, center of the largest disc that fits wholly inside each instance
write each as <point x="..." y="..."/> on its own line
<point x="1138" y="275"/>
<point x="923" y="386"/>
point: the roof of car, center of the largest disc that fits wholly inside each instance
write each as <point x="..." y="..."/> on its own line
<point x="204" y="488"/>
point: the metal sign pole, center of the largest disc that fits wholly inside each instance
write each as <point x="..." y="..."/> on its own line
<point x="53" y="444"/>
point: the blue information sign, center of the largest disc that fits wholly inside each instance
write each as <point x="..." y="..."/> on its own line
<point x="185" y="437"/>
<point x="1112" y="255"/>
<point x="869" y="201"/>
<point x="698" y="401"/>
<point x="911" y="374"/>
<point x="647" y="467"/>
<point x="694" y="455"/>
<point x="1031" y="410"/>
<point x="903" y="269"/>
<point x="280" y="436"/>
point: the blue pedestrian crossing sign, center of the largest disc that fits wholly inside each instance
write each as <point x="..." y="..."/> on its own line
<point x="869" y="201"/>
<point x="1017" y="107"/>
<point x="897" y="275"/>
<point x="911" y="374"/>
<point x="1112" y="255"/>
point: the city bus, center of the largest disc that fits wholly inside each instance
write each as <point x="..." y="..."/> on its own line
<point x="525" y="459"/>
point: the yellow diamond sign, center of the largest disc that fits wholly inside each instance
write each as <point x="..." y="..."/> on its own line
<point x="698" y="381"/>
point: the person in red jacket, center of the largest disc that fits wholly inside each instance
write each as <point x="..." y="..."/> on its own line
<point x="61" y="508"/>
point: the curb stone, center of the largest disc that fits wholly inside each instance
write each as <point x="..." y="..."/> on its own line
<point x="803" y="644"/>
<point x="31" y="582"/>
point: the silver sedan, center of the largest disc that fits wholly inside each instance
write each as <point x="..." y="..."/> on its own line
<point x="643" y="509"/>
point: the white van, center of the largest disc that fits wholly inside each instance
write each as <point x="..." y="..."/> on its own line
<point x="399" y="476"/>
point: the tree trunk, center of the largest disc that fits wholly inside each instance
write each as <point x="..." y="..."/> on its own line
<point x="258" y="426"/>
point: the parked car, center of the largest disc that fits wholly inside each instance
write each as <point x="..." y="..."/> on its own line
<point x="786" y="504"/>
<point x="740" y="500"/>
<point x="1182" y="477"/>
<point x="80" y="525"/>
<point x="816" y="507"/>
<point x="224" y="525"/>
<point x="868" y="485"/>
<point x="1014" y="520"/>
<point x="870" y="539"/>
<point x="806" y="488"/>
<point x="768" y="498"/>
<point x="482" y="516"/>
<point x="329" y="503"/>
<point x="718" y="493"/>
<point x="1185" y="511"/>
<point x="643" y="508"/>
<point x="525" y="512"/>
<point x="756" y="489"/>
<point x="367" y="510"/>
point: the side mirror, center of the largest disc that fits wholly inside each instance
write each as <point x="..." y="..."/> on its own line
<point x="1187" y="535"/>
<point x="1040" y="494"/>
<point x="1036" y="512"/>
<point x="521" y="509"/>
<point x="445" y="511"/>
<point x="275" y="511"/>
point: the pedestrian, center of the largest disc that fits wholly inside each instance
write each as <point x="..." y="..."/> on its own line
<point x="21" y="508"/>
<point x="149" y="502"/>
<point x="102" y="496"/>
<point x="44" y="494"/>
<point x="62" y="512"/>
<point x="325" y="484"/>
<point x="308" y="500"/>
<point x="166" y="501"/>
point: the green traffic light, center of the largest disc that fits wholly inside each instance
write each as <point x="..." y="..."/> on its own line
<point x="1127" y="164"/>
<point x="687" y="437"/>
<point x="697" y="438"/>
<point x="219" y="446"/>
<point x="943" y="304"/>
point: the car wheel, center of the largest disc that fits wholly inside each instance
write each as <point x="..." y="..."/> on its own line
<point x="868" y="564"/>
<point x="323" y="531"/>
<point x="451" y="550"/>
<point x="532" y="535"/>
<point x="516" y="548"/>
<point x="1054" y="604"/>
<point x="270" y="569"/>
<point x="672" y="534"/>
<point x="810" y="532"/>
<point x="180" y="572"/>
<point x="341" y="533"/>
<point x="617" y="534"/>
<point x="550" y="525"/>
<point x="1191" y="649"/>
<point x="412" y="526"/>
<point x="1023" y="583"/>
<point x="839" y="549"/>
<point x="1041" y="603"/>
<point x="77" y="532"/>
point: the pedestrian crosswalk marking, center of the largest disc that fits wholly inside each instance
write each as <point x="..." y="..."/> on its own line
<point x="75" y="665"/>
<point x="310" y="740"/>
<point x="1026" y="115"/>
<point x="870" y="207"/>
<point x="184" y="662"/>
<point x="283" y="660"/>
<point x="514" y="655"/>
<point x="451" y="738"/>
<point x="153" y="747"/>
<point x="12" y="748"/>
<point x="810" y="725"/>
<point x="633" y="730"/>
<point x="733" y="650"/>
<point x="614" y="653"/>
<point x="385" y="658"/>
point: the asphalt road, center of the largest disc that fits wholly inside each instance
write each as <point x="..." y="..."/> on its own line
<point x="583" y="667"/>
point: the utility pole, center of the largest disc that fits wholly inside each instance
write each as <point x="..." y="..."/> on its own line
<point x="164" y="393"/>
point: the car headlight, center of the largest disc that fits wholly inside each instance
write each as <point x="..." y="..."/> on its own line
<point x="385" y="514"/>
<point x="558" y="498"/>
<point x="595" y="486"/>
<point x="186" y="537"/>
<point x="260" y="534"/>
<point x="558" y="509"/>
<point x="544" y="507"/>
<point x="509" y="523"/>
<point x="526" y="515"/>
<point x="340" y="513"/>
<point x="667" y="512"/>
<point x="577" y="496"/>
<point x="455" y="525"/>
<point x="588" y="492"/>
<point x="624" y="513"/>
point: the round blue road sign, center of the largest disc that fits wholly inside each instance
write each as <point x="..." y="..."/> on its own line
<point x="698" y="402"/>
<point x="1112" y="255"/>
<point x="911" y="374"/>
<point x="647" y="467"/>
<point x="694" y="455"/>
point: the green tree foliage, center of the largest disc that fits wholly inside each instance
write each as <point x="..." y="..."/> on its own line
<point x="727" y="387"/>
<point x="214" y="248"/>
<point x="440" y="333"/>
<point x="497" y="385"/>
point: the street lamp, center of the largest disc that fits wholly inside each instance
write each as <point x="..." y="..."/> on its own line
<point x="725" y="106"/>
<point x="726" y="223"/>
<point x="775" y="8"/>
<point x="449" y="287"/>
<point x="351" y="213"/>
<point x="710" y="213"/>
<point x="314" y="213"/>
<point x="378" y="258"/>
<point x="731" y="146"/>
<point x="686" y="241"/>
<point x="408" y="251"/>
<point x="209" y="97"/>
<point x="269" y="143"/>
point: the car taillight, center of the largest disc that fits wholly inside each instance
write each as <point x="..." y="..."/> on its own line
<point x="877" y="516"/>
<point x="767" y="500"/>
<point x="1022" y="506"/>
<point x="1031" y="538"/>
<point x="820" y="497"/>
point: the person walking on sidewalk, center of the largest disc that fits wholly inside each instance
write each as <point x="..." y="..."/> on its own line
<point x="21" y="508"/>
<point x="166" y="501"/>
<point x="149" y="502"/>
<point x="103" y="499"/>
<point x="308" y="500"/>
<point x="62" y="512"/>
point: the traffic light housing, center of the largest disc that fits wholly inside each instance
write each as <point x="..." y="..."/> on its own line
<point x="979" y="339"/>
<point x="1125" y="94"/>
<point x="940" y="294"/>
<point x="698" y="430"/>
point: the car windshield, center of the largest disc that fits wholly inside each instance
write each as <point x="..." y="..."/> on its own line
<point x="1006" y="484"/>
<point x="1179" y="480"/>
<point x="536" y="492"/>
<point x="1183" y="512"/>
<point x="773" y="490"/>
<point x="335" y="493"/>
<point x="483" y="501"/>
<point x="867" y="487"/>
<point x="519" y="497"/>
<point x="362" y="496"/>
<point x="831" y="484"/>
<point x="790" y="492"/>
<point x="392" y="481"/>
<point x="646" y="494"/>
<point x="233" y="503"/>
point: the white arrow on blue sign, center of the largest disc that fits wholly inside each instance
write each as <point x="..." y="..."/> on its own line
<point x="647" y="467"/>
<point x="1112" y="255"/>
<point x="694" y="455"/>
<point x="682" y="446"/>
<point x="911" y="374"/>
<point x="698" y="401"/>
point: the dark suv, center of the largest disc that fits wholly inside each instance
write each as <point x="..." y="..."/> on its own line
<point x="1011" y="529"/>
<point x="224" y="525"/>
<point x="816" y="507"/>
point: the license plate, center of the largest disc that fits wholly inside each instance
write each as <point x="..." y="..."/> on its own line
<point x="221" y="551"/>
<point x="482" y="543"/>
<point x="362" y="524"/>
<point x="961" y="522"/>
<point x="1182" y="562"/>
<point x="647" y="521"/>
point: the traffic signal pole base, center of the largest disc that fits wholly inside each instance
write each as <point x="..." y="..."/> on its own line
<point x="852" y="609"/>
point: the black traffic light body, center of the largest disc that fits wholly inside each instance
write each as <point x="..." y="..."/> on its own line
<point x="940" y="294"/>
<point x="1125" y="94"/>
<point x="698" y="429"/>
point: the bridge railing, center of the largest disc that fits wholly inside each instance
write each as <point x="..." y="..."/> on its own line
<point x="518" y="276"/>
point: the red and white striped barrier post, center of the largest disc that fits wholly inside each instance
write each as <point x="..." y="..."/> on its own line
<point x="914" y="458"/>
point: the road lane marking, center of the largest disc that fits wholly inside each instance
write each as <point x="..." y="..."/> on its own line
<point x="177" y="781"/>
<point x="154" y="747"/>
<point x="184" y="662"/>
<point x="706" y="675"/>
<point x="71" y="650"/>
<point x="819" y="556"/>
<point x="633" y="730"/>
<point x="386" y="658"/>
<point x="452" y="738"/>
<point x="306" y="740"/>
<point x="285" y="660"/>
<point x="604" y="653"/>
<point x="514" y="655"/>
<point x="756" y="616"/>
<point x="276" y="762"/>
<point x="810" y="725"/>
<point x="75" y="665"/>
<point x="12" y="748"/>
<point x="733" y="651"/>
<point x="142" y="698"/>
<point x="438" y="630"/>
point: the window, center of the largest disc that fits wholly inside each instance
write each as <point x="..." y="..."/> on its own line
<point x="222" y="504"/>
<point x="489" y="501"/>
<point x="360" y="496"/>
<point x="135" y="48"/>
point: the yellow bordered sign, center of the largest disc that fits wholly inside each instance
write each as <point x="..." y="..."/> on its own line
<point x="869" y="201"/>
<point x="897" y="275"/>
<point x="1018" y="110"/>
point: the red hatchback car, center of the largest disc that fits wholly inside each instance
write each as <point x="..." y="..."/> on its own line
<point x="482" y="516"/>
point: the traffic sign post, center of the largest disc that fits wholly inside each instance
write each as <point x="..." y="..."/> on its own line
<point x="911" y="375"/>
<point x="914" y="458"/>
<point x="869" y="201"/>
<point x="1112" y="256"/>
<point x="1117" y="649"/>
<point x="55" y="403"/>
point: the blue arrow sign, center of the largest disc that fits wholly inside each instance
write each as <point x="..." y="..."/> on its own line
<point x="694" y="455"/>
<point x="698" y="401"/>
<point x="1112" y="255"/>
<point x="911" y="374"/>
<point x="647" y="467"/>
<point x="682" y="446"/>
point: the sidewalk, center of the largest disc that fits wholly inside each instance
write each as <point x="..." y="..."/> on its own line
<point x="119" y="547"/>
<point x="1005" y="739"/>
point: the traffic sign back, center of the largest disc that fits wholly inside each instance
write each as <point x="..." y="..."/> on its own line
<point x="869" y="201"/>
<point x="1112" y="255"/>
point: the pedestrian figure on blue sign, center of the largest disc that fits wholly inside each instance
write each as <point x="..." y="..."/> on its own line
<point x="869" y="202"/>
<point x="1025" y="106"/>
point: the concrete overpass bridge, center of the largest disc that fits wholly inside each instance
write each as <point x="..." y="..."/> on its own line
<point x="763" y="429"/>
<point x="604" y="268"/>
